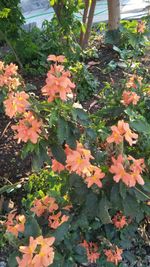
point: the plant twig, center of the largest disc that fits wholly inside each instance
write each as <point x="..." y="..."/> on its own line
<point x="12" y="48"/>
<point x="5" y="130"/>
<point x="142" y="193"/>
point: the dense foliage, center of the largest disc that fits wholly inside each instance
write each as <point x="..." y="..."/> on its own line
<point x="11" y="23"/>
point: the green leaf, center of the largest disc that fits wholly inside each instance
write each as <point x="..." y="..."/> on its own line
<point x="12" y="259"/>
<point x="32" y="228"/>
<point x="141" y="126"/>
<point x="60" y="232"/>
<point x="52" y="2"/>
<point x="123" y="190"/>
<point x="103" y="213"/>
<point x="58" y="153"/>
<point x="5" y="12"/>
<point x="81" y="115"/>
<point x="91" y="203"/>
<point x="115" y="197"/>
<point x="39" y="159"/>
<point x="131" y="207"/>
<point x="62" y="130"/>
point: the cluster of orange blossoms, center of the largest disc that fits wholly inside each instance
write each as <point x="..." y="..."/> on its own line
<point x="91" y="250"/>
<point x="122" y="130"/>
<point x="16" y="103"/>
<point x="58" y="83"/>
<point x="129" y="97"/>
<point x="141" y="27"/>
<point x="15" y="224"/>
<point x="114" y="255"/>
<point x="39" y="253"/>
<point x="134" y="81"/>
<point x="8" y="77"/>
<point x="78" y="161"/>
<point x="128" y="174"/>
<point x="119" y="220"/>
<point x="48" y="206"/>
<point x="28" y="128"/>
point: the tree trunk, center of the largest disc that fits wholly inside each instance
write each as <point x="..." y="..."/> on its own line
<point x="89" y="24"/>
<point x="84" y="20"/>
<point x="114" y="14"/>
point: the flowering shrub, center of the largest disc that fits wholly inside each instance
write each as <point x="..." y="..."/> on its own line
<point x="95" y="214"/>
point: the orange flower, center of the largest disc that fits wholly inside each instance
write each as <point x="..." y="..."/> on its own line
<point x="10" y="70"/>
<point x="129" y="135"/>
<point x="8" y="76"/>
<point x="29" y="250"/>
<point x="133" y="81"/>
<point x="78" y="160"/>
<point x="58" y="84"/>
<point x="114" y="255"/>
<point x="77" y="164"/>
<point x="46" y="255"/>
<point x="137" y="164"/>
<point x="1" y="65"/>
<point x="56" y="220"/>
<point x="120" y="131"/>
<point x="45" y="204"/>
<point x="119" y="220"/>
<point x="57" y="166"/>
<point x="118" y="169"/>
<point x="26" y="261"/>
<point x="115" y="137"/>
<point x="13" y="83"/>
<point x="141" y="27"/>
<point x="133" y="175"/>
<point x="38" y="207"/>
<point x="68" y="207"/>
<point x="15" y="224"/>
<point x="95" y="177"/>
<point x="91" y="250"/>
<point x="54" y="58"/>
<point x="16" y="103"/>
<point x="129" y="97"/>
<point x="3" y="80"/>
<point x="50" y="203"/>
<point x="42" y="257"/>
<point x="44" y="242"/>
<point x="28" y="128"/>
<point x="136" y="169"/>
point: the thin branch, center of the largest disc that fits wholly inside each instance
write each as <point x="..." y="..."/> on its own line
<point x="142" y="193"/>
